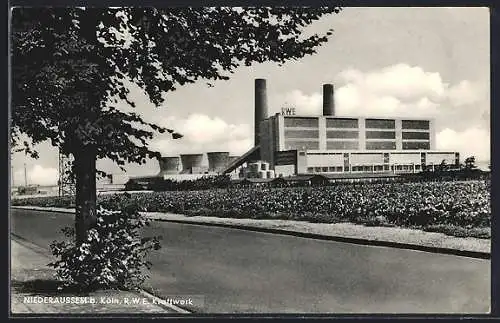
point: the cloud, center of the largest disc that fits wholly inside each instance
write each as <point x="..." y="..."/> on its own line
<point x="464" y="93"/>
<point x="37" y="175"/>
<point x="471" y="142"/>
<point x="202" y="134"/>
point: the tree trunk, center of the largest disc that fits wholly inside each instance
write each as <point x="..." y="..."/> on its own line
<point x="85" y="172"/>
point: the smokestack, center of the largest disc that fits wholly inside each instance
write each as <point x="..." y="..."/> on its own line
<point x="260" y="107"/>
<point x="328" y="100"/>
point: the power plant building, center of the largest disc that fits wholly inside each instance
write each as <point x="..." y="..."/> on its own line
<point x="294" y="145"/>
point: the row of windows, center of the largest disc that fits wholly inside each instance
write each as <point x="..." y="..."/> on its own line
<point x="369" y="168"/>
<point x="353" y="123"/>
<point x="290" y="144"/>
<point x="342" y="145"/>
<point x="415" y="124"/>
<point x="301" y="133"/>
<point x="416" y="145"/>
<point x="353" y="134"/>
<point x="353" y="145"/>
<point x="380" y="135"/>
<point x="364" y="168"/>
<point x="302" y="122"/>
<point x="415" y="135"/>
<point x="380" y="123"/>
<point x="380" y="145"/>
<point x="342" y="123"/>
<point x="324" y="169"/>
<point x="342" y="134"/>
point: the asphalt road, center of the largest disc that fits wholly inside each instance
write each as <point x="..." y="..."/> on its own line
<point x="237" y="271"/>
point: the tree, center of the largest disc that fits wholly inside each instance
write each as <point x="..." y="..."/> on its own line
<point x="470" y="163"/>
<point x="443" y="166"/>
<point x="70" y="66"/>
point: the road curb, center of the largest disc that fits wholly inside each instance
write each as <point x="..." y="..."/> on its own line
<point x="45" y="252"/>
<point x="358" y="241"/>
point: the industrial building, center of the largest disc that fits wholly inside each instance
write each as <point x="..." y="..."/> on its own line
<point x="289" y="145"/>
<point x="191" y="167"/>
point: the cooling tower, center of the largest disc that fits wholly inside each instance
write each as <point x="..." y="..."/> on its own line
<point x="328" y="100"/>
<point x="260" y="107"/>
<point x="168" y="165"/>
<point x="217" y="160"/>
<point x="190" y="161"/>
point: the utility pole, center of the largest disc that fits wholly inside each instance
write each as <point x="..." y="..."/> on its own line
<point x="25" y="176"/>
<point x="66" y="183"/>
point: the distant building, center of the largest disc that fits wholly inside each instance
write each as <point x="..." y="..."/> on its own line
<point x="329" y="144"/>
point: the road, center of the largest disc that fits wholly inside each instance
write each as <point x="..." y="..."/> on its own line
<point x="238" y="271"/>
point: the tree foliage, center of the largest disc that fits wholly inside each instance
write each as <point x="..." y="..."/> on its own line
<point x="470" y="163"/>
<point x="70" y="66"/>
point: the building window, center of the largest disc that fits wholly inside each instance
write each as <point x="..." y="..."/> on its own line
<point x="341" y="123"/>
<point x="380" y="145"/>
<point x="301" y="133"/>
<point x="331" y="169"/>
<point x="302" y="145"/>
<point x="302" y="122"/>
<point x="324" y="169"/>
<point x="416" y="135"/>
<point x="317" y="169"/>
<point x="416" y="145"/>
<point x="338" y="145"/>
<point x="386" y="167"/>
<point x="380" y="123"/>
<point x="342" y="134"/>
<point x="310" y="169"/>
<point x="262" y="166"/>
<point x="338" y="168"/>
<point x="415" y="124"/>
<point x="380" y="135"/>
<point x="386" y="158"/>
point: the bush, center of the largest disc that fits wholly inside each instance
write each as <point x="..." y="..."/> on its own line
<point x="113" y="256"/>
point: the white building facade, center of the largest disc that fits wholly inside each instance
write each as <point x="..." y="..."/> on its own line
<point x="330" y="144"/>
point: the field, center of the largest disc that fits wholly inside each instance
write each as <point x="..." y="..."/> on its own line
<point x="455" y="208"/>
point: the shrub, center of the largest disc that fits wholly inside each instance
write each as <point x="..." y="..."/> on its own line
<point x="113" y="256"/>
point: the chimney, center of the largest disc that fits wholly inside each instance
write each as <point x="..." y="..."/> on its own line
<point x="260" y="107"/>
<point x="328" y="100"/>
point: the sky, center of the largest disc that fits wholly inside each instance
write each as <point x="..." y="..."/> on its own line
<point x="394" y="62"/>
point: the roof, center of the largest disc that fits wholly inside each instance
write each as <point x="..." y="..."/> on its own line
<point x="260" y="180"/>
<point x="303" y="177"/>
<point x="251" y="180"/>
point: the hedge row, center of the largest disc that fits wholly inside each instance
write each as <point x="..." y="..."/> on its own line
<point x="456" y="208"/>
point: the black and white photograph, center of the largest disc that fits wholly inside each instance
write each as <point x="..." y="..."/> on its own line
<point x="184" y="161"/>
